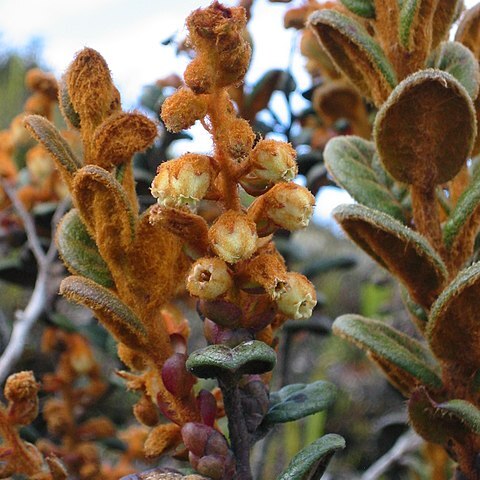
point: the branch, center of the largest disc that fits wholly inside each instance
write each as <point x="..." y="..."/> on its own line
<point x="408" y="442"/>
<point x="29" y="225"/>
<point x="26" y="319"/>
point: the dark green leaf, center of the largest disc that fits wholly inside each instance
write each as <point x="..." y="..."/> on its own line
<point x="410" y="359"/>
<point x="253" y="357"/>
<point x="299" y="400"/>
<point x="312" y="461"/>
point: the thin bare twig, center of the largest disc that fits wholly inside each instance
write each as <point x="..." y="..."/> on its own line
<point x="407" y="443"/>
<point x="29" y="225"/>
<point x="26" y="319"/>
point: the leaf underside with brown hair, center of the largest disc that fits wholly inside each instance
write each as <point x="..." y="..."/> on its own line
<point x="453" y="329"/>
<point x="355" y="53"/>
<point x="399" y="249"/>
<point x="433" y="108"/>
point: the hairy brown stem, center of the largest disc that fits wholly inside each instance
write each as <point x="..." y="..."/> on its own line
<point x="229" y="186"/>
<point x="239" y="437"/>
<point x="426" y="217"/>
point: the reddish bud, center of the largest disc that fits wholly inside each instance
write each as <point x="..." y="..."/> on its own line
<point x="177" y="380"/>
<point x="221" y="312"/>
<point x="215" y="334"/>
<point x="207" y="405"/>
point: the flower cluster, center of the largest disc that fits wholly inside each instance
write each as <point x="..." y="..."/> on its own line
<point x="237" y="262"/>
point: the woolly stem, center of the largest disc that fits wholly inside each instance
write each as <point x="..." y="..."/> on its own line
<point x="216" y="112"/>
<point x="239" y="437"/>
<point x="425" y="215"/>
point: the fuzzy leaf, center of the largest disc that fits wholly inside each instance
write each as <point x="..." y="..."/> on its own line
<point x="438" y="422"/>
<point x="47" y="134"/>
<point x="104" y="208"/>
<point x="66" y="107"/>
<point x="355" y="53"/>
<point x="465" y="212"/>
<point x="109" y="309"/>
<point x="468" y="32"/>
<point x="362" y="8"/>
<point x="299" y="400"/>
<point x="453" y="329"/>
<point x="405" y="253"/>
<point x="122" y="135"/>
<point x="311" y="462"/>
<point x="349" y="160"/>
<point x="411" y="360"/>
<point x="443" y="19"/>
<point x="464" y="411"/>
<point x="459" y="61"/>
<point x="79" y="252"/>
<point x="433" y="108"/>
<point x="252" y="357"/>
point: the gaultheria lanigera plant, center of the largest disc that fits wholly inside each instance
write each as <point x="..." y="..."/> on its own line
<point x="128" y="265"/>
<point x="418" y="197"/>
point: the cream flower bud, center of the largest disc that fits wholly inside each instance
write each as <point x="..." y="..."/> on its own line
<point x="184" y="181"/>
<point x="273" y="161"/>
<point x="233" y="237"/>
<point x="299" y="298"/>
<point x="209" y="278"/>
<point x="286" y="205"/>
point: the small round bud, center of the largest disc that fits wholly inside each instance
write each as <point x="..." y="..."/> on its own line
<point x="21" y="386"/>
<point x="299" y="298"/>
<point x="239" y="141"/>
<point x="177" y="380"/>
<point x="286" y="205"/>
<point x="184" y="181"/>
<point x="233" y="237"/>
<point x="182" y="109"/>
<point x="274" y="161"/>
<point x="209" y="278"/>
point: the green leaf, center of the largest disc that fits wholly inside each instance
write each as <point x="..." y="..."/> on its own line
<point x="356" y="54"/>
<point x="46" y="133"/>
<point x="108" y="308"/>
<point x="464" y="411"/>
<point x="349" y="159"/>
<point x="253" y="357"/>
<point x="408" y="360"/>
<point x="405" y="253"/>
<point x="459" y="61"/>
<point x="311" y="462"/>
<point x="408" y="15"/>
<point x="362" y="8"/>
<point x="453" y="329"/>
<point x="425" y="131"/>
<point x="467" y="208"/>
<point x="299" y="400"/>
<point x="439" y="422"/>
<point x="79" y="252"/>
<point x="66" y="106"/>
